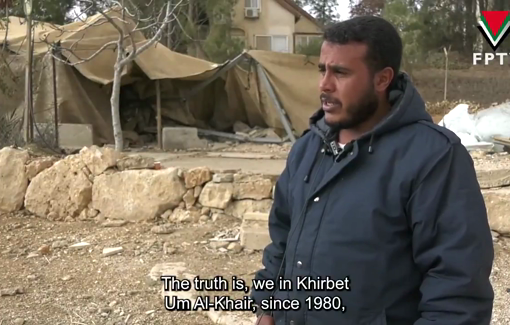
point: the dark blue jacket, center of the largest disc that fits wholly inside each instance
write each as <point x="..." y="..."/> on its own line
<point x="399" y="212"/>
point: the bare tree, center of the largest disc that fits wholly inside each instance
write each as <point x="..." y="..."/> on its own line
<point x="128" y="21"/>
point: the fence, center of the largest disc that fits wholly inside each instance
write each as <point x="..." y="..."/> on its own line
<point x="44" y="132"/>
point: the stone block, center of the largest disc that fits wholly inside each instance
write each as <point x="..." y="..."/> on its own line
<point x="75" y="136"/>
<point x="255" y="238"/>
<point x="70" y="136"/>
<point x="254" y="231"/>
<point x="497" y="202"/>
<point x="182" y="138"/>
<point x="256" y="216"/>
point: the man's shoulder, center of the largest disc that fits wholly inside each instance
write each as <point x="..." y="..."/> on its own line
<point x="431" y="129"/>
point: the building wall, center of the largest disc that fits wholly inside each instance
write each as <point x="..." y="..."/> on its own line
<point x="305" y="26"/>
<point x="273" y="20"/>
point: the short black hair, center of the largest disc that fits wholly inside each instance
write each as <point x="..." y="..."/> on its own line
<point x="384" y="45"/>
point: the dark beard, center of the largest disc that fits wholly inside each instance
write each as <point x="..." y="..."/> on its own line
<point x="358" y="113"/>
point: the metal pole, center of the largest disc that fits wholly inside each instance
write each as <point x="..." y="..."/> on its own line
<point x="28" y="85"/>
<point x="286" y="124"/>
<point x="29" y="131"/>
<point x="55" y="99"/>
<point x="159" y="117"/>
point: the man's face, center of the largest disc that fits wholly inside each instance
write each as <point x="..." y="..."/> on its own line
<point x="347" y="88"/>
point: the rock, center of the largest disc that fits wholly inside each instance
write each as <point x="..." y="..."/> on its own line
<point x="114" y="223"/>
<point x="166" y="215"/>
<point x="79" y="245"/>
<point x="135" y="162"/>
<point x="130" y="136"/>
<point x="92" y="213"/>
<point x="38" y="165"/>
<point x="205" y="211"/>
<point x="33" y="254"/>
<point x="240" y="127"/>
<point x="19" y="321"/>
<point x="218" y="244"/>
<point x="82" y="216"/>
<point x="59" y="244"/>
<point x="189" y="199"/>
<point x="162" y="229"/>
<point x="136" y="195"/>
<point x="98" y="159"/>
<point x="216" y="195"/>
<point x="497" y="203"/>
<point x="204" y="218"/>
<point x="112" y="251"/>
<point x="252" y="187"/>
<point x="13" y="179"/>
<point x="196" y="191"/>
<point x="181" y="215"/>
<point x="11" y="291"/>
<point x="223" y="178"/>
<point x="63" y="189"/>
<point x="168" y="250"/>
<point x="239" y="208"/>
<point x="197" y="176"/>
<point x="218" y="216"/>
<point x="44" y="250"/>
<point x="86" y="214"/>
<point x="235" y="247"/>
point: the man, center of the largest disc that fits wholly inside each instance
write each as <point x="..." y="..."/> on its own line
<point x="377" y="198"/>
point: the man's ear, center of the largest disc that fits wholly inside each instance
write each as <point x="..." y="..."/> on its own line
<point x="382" y="79"/>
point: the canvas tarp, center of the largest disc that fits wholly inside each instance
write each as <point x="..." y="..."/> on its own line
<point x="79" y="100"/>
<point x="295" y="79"/>
<point x="16" y="29"/>
<point x="238" y="95"/>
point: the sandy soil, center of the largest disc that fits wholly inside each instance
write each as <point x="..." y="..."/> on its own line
<point x="80" y="286"/>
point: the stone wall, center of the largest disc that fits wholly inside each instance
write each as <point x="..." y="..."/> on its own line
<point x="99" y="183"/>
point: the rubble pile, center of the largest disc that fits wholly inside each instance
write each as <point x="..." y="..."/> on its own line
<point x="101" y="183"/>
<point x="445" y="106"/>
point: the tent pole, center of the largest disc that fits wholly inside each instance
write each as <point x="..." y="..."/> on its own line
<point x="279" y="108"/>
<point x="158" y="107"/>
<point x="28" y="85"/>
<point x="55" y="98"/>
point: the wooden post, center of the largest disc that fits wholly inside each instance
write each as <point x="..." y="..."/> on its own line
<point x="158" y="108"/>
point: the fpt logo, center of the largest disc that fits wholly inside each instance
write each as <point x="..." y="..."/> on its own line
<point x="495" y="27"/>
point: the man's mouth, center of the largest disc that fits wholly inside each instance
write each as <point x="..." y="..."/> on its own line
<point x="328" y="103"/>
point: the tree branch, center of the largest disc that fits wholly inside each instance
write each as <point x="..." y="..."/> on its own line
<point x="135" y="52"/>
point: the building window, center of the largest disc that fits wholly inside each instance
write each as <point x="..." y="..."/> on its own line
<point x="275" y="43"/>
<point x="305" y="40"/>
<point x="252" y="4"/>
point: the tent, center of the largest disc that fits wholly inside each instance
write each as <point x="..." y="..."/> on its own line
<point x="194" y="92"/>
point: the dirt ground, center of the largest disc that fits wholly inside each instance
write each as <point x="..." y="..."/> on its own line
<point x="80" y="286"/>
<point x="480" y="84"/>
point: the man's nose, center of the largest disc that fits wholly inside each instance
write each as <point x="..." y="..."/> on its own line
<point x="326" y="84"/>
